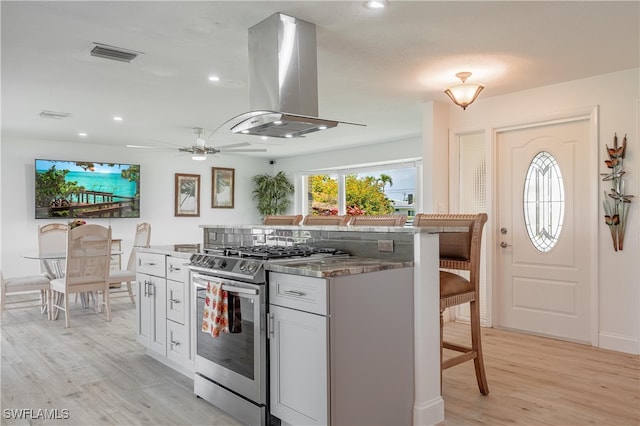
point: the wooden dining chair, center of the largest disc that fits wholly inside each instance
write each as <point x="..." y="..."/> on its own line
<point x="283" y="219"/>
<point x="326" y="220"/>
<point x="128" y="276"/>
<point x="21" y="285"/>
<point x="379" y="220"/>
<point x="52" y="239"/>
<point x="87" y="269"/>
<point x="460" y="251"/>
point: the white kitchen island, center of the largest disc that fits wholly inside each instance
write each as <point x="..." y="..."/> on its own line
<point x="417" y="245"/>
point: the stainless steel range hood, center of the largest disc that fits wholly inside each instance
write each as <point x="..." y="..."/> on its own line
<point x="283" y="80"/>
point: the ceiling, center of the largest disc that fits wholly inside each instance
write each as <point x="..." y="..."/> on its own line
<point x="375" y="67"/>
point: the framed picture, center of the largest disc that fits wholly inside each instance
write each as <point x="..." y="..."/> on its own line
<point x="222" y="187"/>
<point x="187" y="195"/>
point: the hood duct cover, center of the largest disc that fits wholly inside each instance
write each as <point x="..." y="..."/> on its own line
<point x="283" y="79"/>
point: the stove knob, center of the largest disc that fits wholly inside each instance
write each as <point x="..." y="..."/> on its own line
<point x="219" y="263"/>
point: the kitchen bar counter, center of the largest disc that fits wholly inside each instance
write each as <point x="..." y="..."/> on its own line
<point x="413" y="248"/>
<point x="177" y="250"/>
<point x="334" y="266"/>
<point x="347" y="228"/>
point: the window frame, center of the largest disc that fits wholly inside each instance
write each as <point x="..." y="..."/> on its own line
<point x="301" y="182"/>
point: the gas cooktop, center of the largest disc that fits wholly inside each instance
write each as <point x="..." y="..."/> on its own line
<point x="266" y="252"/>
<point x="247" y="262"/>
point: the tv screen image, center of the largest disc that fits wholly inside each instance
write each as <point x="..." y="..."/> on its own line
<point x="81" y="189"/>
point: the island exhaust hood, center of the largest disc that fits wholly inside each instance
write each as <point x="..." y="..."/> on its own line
<point x="283" y="80"/>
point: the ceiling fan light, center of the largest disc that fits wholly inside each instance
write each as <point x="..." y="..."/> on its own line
<point x="464" y="94"/>
<point x="377" y="4"/>
<point x="199" y="157"/>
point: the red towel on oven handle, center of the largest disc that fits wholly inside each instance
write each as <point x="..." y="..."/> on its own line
<point x="216" y="314"/>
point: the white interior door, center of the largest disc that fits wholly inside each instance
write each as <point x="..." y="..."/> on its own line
<point x="543" y="280"/>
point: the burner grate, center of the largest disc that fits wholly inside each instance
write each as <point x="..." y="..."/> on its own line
<point x="266" y="252"/>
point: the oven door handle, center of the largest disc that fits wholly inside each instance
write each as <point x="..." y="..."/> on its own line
<point x="231" y="288"/>
<point x="239" y="289"/>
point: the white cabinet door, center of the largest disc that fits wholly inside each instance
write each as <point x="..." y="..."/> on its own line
<point x="143" y="310"/>
<point x="299" y="369"/>
<point x="177" y="301"/>
<point x="158" y="295"/>
<point x="178" y="344"/>
<point x="152" y="313"/>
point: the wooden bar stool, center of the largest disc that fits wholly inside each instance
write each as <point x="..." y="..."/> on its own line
<point x="283" y="219"/>
<point x="380" y="220"/>
<point x="339" y="220"/>
<point x="460" y="251"/>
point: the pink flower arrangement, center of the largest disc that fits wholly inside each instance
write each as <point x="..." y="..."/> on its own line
<point x="75" y="223"/>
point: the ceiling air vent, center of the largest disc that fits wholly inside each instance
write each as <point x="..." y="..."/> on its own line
<point x="113" y="53"/>
<point x="54" y="115"/>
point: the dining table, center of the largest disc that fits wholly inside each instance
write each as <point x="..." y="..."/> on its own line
<point x="52" y="263"/>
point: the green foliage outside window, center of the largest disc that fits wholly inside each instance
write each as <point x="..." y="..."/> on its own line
<point x="364" y="195"/>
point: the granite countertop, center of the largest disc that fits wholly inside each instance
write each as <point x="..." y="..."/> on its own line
<point x="349" y="228"/>
<point x="334" y="266"/>
<point x="178" y="250"/>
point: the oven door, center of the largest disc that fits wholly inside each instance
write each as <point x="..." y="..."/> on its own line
<point x="236" y="361"/>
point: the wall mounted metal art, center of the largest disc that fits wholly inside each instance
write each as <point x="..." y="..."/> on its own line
<point x="616" y="203"/>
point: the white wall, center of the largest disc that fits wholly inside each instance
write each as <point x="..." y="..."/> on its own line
<point x="19" y="228"/>
<point x="409" y="147"/>
<point x="617" y="97"/>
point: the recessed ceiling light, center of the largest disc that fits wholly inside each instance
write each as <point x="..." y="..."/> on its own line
<point x="288" y="136"/>
<point x="82" y="134"/>
<point x="377" y="4"/>
<point x="214" y="78"/>
<point x="117" y="118"/>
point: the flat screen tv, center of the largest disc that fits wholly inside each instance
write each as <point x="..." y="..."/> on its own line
<point x="82" y="189"/>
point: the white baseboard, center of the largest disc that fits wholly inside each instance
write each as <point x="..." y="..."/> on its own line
<point x="616" y="342"/>
<point x="429" y="413"/>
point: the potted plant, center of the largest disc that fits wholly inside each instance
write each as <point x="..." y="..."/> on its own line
<point x="273" y="193"/>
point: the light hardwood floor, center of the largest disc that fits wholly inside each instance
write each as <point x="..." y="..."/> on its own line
<point x="539" y="381"/>
<point x="98" y="372"/>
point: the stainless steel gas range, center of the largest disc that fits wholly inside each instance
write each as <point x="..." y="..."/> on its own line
<point x="231" y="371"/>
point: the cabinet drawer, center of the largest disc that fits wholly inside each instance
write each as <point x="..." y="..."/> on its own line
<point x="176" y="301"/>
<point x="178" y="344"/>
<point x="293" y="291"/>
<point x="177" y="269"/>
<point x="151" y="263"/>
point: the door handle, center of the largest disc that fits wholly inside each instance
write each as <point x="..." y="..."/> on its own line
<point x="270" y="326"/>
<point x="504" y="244"/>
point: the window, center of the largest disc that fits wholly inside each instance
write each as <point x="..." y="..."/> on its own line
<point x="371" y="190"/>
<point x="543" y="201"/>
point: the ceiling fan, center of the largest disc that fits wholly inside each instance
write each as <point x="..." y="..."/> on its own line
<point x="200" y="149"/>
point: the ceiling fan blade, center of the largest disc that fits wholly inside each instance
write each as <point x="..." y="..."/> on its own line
<point x="142" y="147"/>
<point x="233" y="145"/>
<point x="243" y="150"/>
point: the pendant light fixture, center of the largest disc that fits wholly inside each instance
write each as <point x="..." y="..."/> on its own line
<point x="464" y="94"/>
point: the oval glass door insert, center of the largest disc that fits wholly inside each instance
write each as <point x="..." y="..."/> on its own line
<point x="544" y="201"/>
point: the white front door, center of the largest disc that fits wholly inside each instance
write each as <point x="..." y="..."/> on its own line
<point x="544" y="233"/>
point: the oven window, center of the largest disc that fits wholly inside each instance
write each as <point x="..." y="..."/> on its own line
<point x="233" y="351"/>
